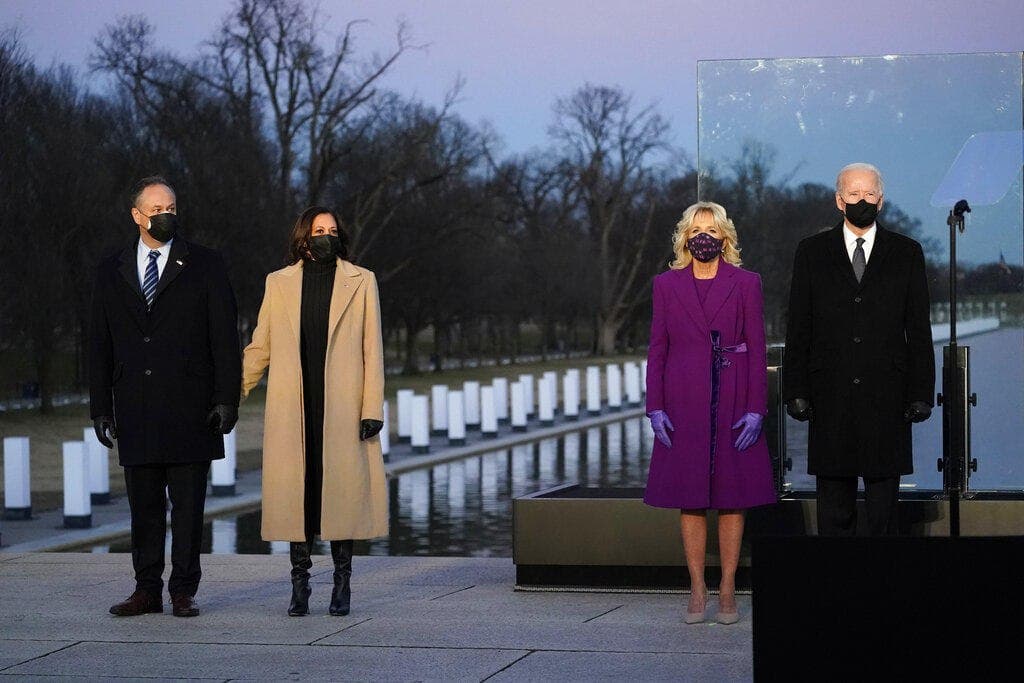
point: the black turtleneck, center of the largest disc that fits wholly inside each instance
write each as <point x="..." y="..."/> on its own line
<point x="317" y="286"/>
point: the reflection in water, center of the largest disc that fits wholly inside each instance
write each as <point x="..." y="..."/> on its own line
<point x="465" y="507"/>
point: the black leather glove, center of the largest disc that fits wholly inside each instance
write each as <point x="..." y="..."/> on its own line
<point x="799" y="409"/>
<point x="369" y="429"/>
<point x="917" y="411"/>
<point x="104" y="425"/>
<point x="222" y="418"/>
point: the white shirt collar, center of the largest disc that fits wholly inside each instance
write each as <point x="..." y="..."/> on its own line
<point x="164" y="249"/>
<point x="851" y="240"/>
<point x="142" y="258"/>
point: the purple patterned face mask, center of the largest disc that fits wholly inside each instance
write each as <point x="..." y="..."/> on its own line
<point x="704" y="247"/>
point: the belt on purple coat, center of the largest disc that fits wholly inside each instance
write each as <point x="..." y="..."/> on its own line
<point x="718" y="361"/>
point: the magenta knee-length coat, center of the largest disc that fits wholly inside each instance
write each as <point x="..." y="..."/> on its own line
<point x="681" y="374"/>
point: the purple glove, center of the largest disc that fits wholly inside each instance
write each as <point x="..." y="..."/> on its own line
<point x="660" y="424"/>
<point x="751" y="423"/>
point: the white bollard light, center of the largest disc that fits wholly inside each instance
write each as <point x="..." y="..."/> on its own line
<point x="546" y="400"/>
<point x="385" y="433"/>
<point x="594" y="390"/>
<point x="404" y="406"/>
<point x="614" y="386"/>
<point x="224" y="536"/>
<point x="438" y="410"/>
<point x="420" y="424"/>
<point x="632" y="376"/>
<point x="471" y="397"/>
<point x="456" y="419"/>
<point x="222" y="472"/>
<point x="518" y="393"/>
<point x="77" y="506"/>
<point x="488" y="413"/>
<point x="98" y="457"/>
<point x="17" y="480"/>
<point x="500" y="385"/>
<point x="552" y="377"/>
<point x="571" y="395"/>
<point x="527" y="382"/>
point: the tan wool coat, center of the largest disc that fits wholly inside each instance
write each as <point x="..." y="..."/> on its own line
<point x="354" y="501"/>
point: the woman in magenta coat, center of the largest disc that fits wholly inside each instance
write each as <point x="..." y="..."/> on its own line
<point x="706" y="396"/>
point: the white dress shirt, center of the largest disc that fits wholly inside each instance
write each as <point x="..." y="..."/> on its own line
<point x="851" y="241"/>
<point x="142" y="258"/>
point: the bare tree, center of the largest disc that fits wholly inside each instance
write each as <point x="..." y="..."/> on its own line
<point x="55" y="172"/>
<point x="610" y="148"/>
<point x="274" y="47"/>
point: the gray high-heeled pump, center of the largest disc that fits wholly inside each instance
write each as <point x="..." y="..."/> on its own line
<point x="727" y="617"/>
<point x="697" y="617"/>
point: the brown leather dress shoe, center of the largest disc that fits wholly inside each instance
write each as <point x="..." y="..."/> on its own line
<point x="184" y="606"/>
<point x="140" y="602"/>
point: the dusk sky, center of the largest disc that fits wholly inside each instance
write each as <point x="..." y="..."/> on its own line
<point x="518" y="57"/>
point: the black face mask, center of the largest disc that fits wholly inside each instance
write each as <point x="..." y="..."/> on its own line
<point x="163" y="227"/>
<point x="324" y="247"/>
<point x="862" y="214"/>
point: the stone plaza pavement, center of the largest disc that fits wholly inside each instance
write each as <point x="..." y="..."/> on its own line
<point x="413" y="618"/>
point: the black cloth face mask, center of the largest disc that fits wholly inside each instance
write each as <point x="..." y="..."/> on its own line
<point x="163" y="227"/>
<point x="324" y="247"/>
<point x="862" y="214"/>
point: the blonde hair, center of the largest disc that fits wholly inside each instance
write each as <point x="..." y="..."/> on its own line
<point x="730" y="247"/>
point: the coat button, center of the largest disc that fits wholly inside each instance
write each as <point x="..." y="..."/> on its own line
<point x="856" y="340"/>
<point x="856" y="380"/>
<point x="149" y="372"/>
<point x="856" y="299"/>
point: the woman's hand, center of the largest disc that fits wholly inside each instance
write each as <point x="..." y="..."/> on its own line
<point x="751" y="424"/>
<point x="369" y="429"/>
<point x="661" y="425"/>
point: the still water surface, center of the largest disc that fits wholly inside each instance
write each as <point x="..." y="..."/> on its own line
<point x="464" y="508"/>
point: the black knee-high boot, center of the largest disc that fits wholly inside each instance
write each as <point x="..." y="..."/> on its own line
<point x="301" y="564"/>
<point x="341" y="597"/>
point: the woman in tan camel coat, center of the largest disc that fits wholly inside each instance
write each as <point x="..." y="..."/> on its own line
<point x="319" y="332"/>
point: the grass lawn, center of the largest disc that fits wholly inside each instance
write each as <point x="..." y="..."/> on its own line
<point x="49" y="432"/>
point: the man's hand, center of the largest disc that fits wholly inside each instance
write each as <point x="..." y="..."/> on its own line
<point x="661" y="426"/>
<point x="918" y="411"/>
<point x="104" y="425"/>
<point x="369" y="429"/>
<point x="800" y="409"/>
<point x="222" y="418"/>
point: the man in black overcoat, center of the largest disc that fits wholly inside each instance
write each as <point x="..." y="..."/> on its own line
<point x="165" y="377"/>
<point x="859" y="362"/>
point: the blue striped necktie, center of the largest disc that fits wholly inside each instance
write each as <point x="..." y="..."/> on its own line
<point x="152" y="277"/>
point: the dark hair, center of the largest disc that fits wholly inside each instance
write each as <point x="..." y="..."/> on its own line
<point x="299" y="240"/>
<point x="140" y="186"/>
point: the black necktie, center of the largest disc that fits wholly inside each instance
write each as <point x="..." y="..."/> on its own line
<point x="859" y="262"/>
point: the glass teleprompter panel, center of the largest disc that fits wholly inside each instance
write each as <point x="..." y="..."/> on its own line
<point x="773" y="133"/>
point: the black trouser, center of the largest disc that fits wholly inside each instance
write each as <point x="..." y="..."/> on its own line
<point x="837" y="505"/>
<point x="148" y="489"/>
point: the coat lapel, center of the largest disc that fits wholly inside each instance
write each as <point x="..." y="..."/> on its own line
<point x="129" y="270"/>
<point x="686" y="292"/>
<point x="346" y="281"/>
<point x="721" y="288"/>
<point x="840" y="258"/>
<point x="177" y="261"/>
<point x="879" y="250"/>
<point x="291" y="290"/>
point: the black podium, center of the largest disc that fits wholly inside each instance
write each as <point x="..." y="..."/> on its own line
<point x="887" y="608"/>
